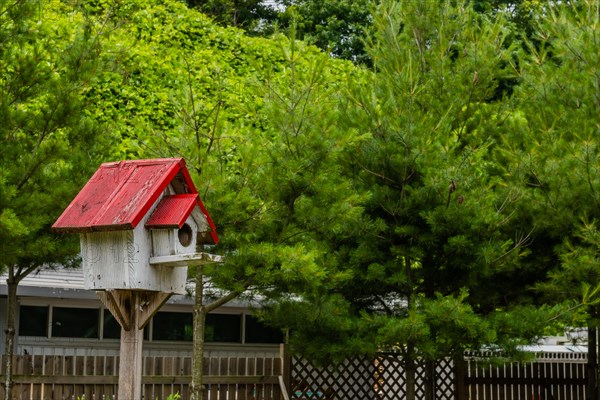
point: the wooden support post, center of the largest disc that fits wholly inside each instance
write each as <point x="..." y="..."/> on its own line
<point x="460" y="371"/>
<point x="130" y="362"/>
<point x="133" y="309"/>
<point x="286" y="368"/>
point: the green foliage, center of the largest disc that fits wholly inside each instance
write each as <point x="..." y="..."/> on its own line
<point x="320" y="327"/>
<point x="429" y="166"/>
<point x="577" y="279"/>
<point x="256" y="121"/>
<point x="281" y="210"/>
<point x="434" y="264"/>
<point x="48" y="58"/>
<point x="174" y="396"/>
<point x="338" y="27"/>
<point x="559" y="158"/>
<point x="178" y="77"/>
<point x="254" y="16"/>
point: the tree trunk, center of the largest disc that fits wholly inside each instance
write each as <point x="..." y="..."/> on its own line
<point x="410" y="369"/>
<point x="196" y="386"/>
<point x="459" y="377"/>
<point x="11" y="316"/>
<point x="429" y="272"/>
<point x="409" y="358"/>
<point x="430" y="380"/>
<point x="411" y="378"/>
<point x="200" y="312"/>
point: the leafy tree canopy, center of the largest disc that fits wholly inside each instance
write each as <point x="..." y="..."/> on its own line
<point x="340" y="27"/>
<point x="254" y="16"/>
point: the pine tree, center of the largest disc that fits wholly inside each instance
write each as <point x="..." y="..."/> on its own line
<point x="47" y="58"/>
<point x="280" y="197"/>
<point x="560" y="158"/>
<point x="437" y="238"/>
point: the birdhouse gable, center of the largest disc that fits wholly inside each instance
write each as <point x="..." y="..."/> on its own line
<point x="172" y="211"/>
<point x="176" y="224"/>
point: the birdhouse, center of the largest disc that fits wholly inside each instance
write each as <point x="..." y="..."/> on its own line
<point x="140" y="225"/>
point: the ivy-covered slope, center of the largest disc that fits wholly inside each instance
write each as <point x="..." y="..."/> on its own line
<point x="174" y="71"/>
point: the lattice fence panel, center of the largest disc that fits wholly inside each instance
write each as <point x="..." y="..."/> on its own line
<point x="391" y="379"/>
<point x="445" y="379"/>
<point x="380" y="379"/>
<point x="352" y="379"/>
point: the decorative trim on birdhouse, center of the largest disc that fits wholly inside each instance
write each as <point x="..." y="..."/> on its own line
<point x="186" y="260"/>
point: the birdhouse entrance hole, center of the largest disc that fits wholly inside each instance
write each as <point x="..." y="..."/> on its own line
<point x="185" y="235"/>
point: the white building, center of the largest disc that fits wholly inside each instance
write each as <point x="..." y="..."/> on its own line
<point x="57" y="315"/>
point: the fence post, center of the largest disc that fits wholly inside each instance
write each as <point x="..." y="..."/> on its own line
<point x="286" y="367"/>
<point x="592" y="364"/>
<point x="460" y="370"/>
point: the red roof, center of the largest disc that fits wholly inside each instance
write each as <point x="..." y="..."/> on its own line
<point x="120" y="194"/>
<point x="172" y="211"/>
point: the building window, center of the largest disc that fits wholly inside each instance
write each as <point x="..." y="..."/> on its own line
<point x="173" y="326"/>
<point x="177" y="326"/>
<point x="223" y="328"/>
<point x="68" y="322"/>
<point x="257" y="332"/>
<point x="75" y="322"/>
<point x="33" y="321"/>
<point x="112" y="329"/>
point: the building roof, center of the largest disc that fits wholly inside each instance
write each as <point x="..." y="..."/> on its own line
<point x="52" y="282"/>
<point x="68" y="283"/>
<point x="119" y="194"/>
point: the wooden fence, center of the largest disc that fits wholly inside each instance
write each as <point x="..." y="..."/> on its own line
<point x="96" y="377"/>
<point x="559" y="377"/>
<point x="551" y="377"/>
